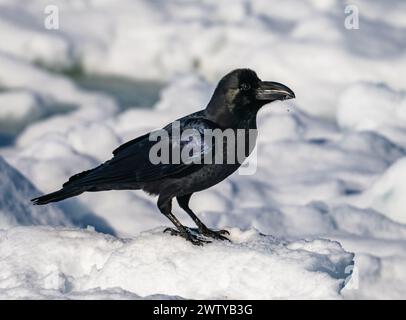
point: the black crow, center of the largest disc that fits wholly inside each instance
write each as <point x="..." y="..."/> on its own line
<point x="233" y="107"/>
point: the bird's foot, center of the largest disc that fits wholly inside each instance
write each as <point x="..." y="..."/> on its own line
<point x="218" y="235"/>
<point x="189" y="234"/>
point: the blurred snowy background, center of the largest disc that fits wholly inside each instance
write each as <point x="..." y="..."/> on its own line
<point x="331" y="175"/>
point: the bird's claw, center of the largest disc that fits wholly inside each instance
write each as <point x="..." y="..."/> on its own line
<point x="224" y="232"/>
<point x="188" y="235"/>
<point x="194" y="235"/>
<point x="218" y="235"/>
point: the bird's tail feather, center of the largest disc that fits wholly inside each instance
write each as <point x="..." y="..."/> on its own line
<point x="59" y="195"/>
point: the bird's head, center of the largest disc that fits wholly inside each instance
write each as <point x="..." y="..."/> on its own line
<point x="242" y="92"/>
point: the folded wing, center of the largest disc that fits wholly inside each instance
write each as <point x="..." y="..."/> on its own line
<point x="133" y="161"/>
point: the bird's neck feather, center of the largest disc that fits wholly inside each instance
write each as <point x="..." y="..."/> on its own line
<point x="229" y="116"/>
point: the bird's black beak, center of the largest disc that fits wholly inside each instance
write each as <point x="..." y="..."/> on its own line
<point x="271" y="91"/>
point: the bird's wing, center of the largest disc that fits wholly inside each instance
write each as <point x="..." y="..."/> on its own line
<point x="132" y="160"/>
<point x="130" y="143"/>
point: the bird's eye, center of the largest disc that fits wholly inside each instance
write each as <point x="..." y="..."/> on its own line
<point x="245" y="86"/>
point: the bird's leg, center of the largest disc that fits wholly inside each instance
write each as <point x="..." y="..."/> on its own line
<point x="165" y="207"/>
<point x="184" y="204"/>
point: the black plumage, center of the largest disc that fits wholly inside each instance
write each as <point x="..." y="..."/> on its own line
<point x="233" y="106"/>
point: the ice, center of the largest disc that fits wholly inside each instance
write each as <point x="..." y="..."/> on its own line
<point x="71" y="263"/>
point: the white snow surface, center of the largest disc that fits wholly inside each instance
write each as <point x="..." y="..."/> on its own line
<point x="71" y="263"/>
<point x="331" y="171"/>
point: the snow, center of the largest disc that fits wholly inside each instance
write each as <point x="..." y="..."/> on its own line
<point x="18" y="107"/>
<point x="15" y="207"/>
<point x="373" y="107"/>
<point x="156" y="39"/>
<point x="330" y="176"/>
<point x="388" y="192"/>
<point x="71" y="263"/>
